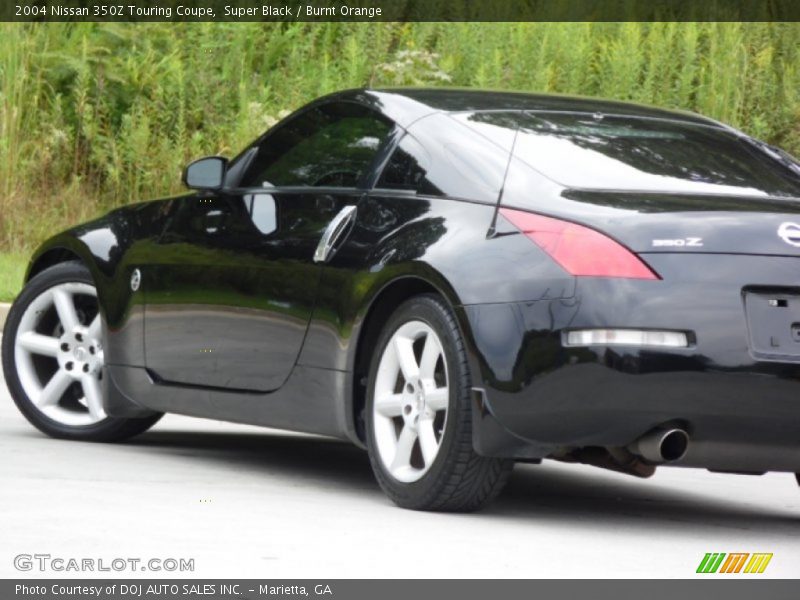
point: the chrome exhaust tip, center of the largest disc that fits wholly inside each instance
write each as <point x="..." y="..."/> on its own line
<point x="661" y="445"/>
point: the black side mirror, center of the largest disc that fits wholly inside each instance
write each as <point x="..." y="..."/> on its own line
<point x="206" y="173"/>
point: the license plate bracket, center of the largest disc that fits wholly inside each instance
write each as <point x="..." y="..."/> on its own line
<point x="773" y="324"/>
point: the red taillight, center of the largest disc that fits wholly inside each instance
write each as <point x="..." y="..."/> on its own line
<point x="581" y="251"/>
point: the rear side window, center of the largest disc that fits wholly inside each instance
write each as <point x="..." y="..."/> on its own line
<point x="328" y="146"/>
<point x="651" y="155"/>
<point x="408" y="168"/>
<point x="458" y="161"/>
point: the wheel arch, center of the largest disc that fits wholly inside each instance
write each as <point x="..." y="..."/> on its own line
<point x="49" y="258"/>
<point x="68" y="247"/>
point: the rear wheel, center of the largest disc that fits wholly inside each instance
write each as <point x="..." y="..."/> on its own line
<point x="419" y="428"/>
<point x="53" y="358"/>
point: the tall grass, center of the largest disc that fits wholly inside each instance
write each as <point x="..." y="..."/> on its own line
<point x="97" y="115"/>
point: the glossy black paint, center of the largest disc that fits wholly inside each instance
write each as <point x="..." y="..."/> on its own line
<point x="220" y="283"/>
<point x="235" y="321"/>
<point x="605" y="396"/>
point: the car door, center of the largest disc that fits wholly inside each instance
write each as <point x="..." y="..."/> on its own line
<point x="231" y="288"/>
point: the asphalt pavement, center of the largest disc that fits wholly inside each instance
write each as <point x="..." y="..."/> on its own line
<point x="250" y="502"/>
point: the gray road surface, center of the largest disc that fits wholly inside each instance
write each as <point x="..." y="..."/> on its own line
<point x="248" y="502"/>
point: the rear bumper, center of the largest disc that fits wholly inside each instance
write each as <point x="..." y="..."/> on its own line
<point x="535" y="396"/>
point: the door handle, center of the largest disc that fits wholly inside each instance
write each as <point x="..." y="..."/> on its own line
<point x="333" y="232"/>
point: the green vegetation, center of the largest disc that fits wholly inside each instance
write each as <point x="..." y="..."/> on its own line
<point x="96" y="115"/>
<point x="12" y="270"/>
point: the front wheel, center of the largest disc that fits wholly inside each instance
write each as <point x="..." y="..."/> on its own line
<point x="419" y="428"/>
<point x="53" y="358"/>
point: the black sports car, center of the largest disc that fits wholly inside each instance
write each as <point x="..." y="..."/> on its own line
<point x="454" y="280"/>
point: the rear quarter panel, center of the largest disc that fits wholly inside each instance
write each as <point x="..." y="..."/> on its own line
<point x="440" y="241"/>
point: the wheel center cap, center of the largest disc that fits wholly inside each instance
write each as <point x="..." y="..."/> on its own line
<point x="80" y="353"/>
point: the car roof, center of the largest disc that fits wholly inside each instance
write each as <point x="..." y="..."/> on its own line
<point x="405" y="105"/>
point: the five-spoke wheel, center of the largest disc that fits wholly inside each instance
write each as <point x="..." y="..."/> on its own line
<point x="411" y="400"/>
<point x="53" y="358"/>
<point x="418" y="414"/>
<point x="58" y="353"/>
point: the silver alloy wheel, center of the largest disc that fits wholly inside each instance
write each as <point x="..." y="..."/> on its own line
<point x="410" y="403"/>
<point x="75" y="352"/>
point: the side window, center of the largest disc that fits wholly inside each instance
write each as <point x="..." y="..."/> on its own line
<point x="331" y="145"/>
<point x="408" y="168"/>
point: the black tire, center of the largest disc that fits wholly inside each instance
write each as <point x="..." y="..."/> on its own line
<point x="110" y="429"/>
<point x="459" y="480"/>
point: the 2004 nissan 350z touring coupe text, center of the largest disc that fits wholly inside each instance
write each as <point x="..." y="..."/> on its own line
<point x="454" y="280"/>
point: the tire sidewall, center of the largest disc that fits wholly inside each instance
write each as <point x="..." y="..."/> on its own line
<point x="432" y="312"/>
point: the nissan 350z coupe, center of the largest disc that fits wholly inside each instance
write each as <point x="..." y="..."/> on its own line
<point x="454" y="280"/>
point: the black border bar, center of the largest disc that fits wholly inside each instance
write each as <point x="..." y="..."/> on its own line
<point x="398" y="10"/>
<point x="734" y="588"/>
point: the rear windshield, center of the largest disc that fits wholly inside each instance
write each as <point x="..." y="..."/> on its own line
<point x="651" y="155"/>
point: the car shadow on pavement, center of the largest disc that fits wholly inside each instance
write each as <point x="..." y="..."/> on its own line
<point x="547" y="492"/>
<point x="616" y="501"/>
<point x="273" y="453"/>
